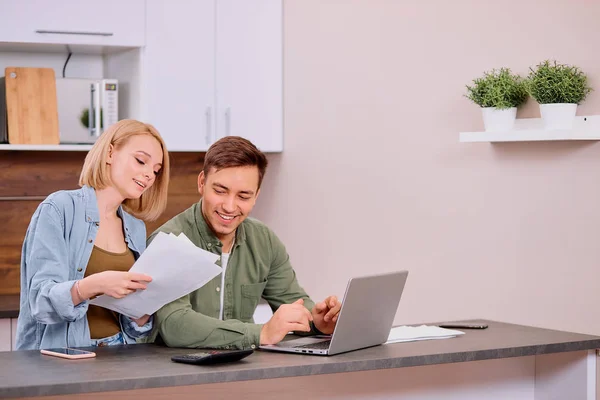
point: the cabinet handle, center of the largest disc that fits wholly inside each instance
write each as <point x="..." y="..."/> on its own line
<point x="75" y="33"/>
<point x="228" y="121"/>
<point x="208" y="135"/>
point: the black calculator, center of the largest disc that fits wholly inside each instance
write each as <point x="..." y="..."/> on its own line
<point x="210" y="356"/>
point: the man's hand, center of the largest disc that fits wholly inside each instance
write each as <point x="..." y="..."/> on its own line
<point x="288" y="317"/>
<point x="325" y="314"/>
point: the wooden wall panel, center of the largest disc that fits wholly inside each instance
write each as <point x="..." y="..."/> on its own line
<point x="27" y="177"/>
<point x="38" y="173"/>
<point x="14" y="219"/>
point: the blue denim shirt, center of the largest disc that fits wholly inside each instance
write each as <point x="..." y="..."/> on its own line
<point x="57" y="247"/>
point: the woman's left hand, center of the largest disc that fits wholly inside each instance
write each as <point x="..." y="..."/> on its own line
<point x="142" y="320"/>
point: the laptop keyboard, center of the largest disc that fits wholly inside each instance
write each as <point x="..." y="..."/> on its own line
<point x="319" y="345"/>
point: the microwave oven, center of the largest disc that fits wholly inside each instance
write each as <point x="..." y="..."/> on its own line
<point x="86" y="107"/>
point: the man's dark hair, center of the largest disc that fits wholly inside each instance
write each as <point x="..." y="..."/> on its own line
<point x="235" y="151"/>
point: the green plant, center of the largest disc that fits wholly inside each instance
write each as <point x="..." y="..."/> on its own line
<point x="499" y="88"/>
<point x="551" y="82"/>
<point x="84" y="118"/>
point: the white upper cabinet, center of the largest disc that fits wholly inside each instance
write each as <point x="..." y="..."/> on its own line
<point x="212" y="69"/>
<point x="76" y="22"/>
<point x="178" y="72"/>
<point x="249" y="71"/>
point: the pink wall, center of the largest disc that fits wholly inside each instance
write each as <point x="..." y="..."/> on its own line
<point x="373" y="178"/>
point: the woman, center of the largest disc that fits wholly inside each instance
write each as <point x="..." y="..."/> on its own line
<point x="81" y="243"/>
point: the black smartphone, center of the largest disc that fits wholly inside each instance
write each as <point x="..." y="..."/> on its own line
<point x="212" y="356"/>
<point x="464" y="325"/>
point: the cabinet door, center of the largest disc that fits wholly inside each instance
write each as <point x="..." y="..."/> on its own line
<point x="88" y="22"/>
<point x="5" y="334"/>
<point x="179" y="83"/>
<point x="249" y="71"/>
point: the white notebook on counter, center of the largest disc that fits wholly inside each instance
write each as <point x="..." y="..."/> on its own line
<point x="405" y="333"/>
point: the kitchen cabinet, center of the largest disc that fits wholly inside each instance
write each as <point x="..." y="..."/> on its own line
<point x="213" y="69"/>
<point x="5" y="334"/>
<point x="250" y="71"/>
<point x="179" y="69"/>
<point x="73" y="22"/>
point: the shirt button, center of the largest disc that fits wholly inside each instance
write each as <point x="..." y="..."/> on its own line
<point x="209" y="245"/>
<point x="97" y="224"/>
<point x="90" y="241"/>
<point x="253" y="346"/>
<point x="79" y="269"/>
<point x="218" y="289"/>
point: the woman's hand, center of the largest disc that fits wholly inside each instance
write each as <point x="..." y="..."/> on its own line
<point x="142" y="320"/>
<point x="113" y="283"/>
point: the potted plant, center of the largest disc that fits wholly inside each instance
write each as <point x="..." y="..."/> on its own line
<point x="498" y="93"/>
<point x="558" y="88"/>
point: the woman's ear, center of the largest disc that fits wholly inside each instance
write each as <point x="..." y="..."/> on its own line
<point x="109" y="158"/>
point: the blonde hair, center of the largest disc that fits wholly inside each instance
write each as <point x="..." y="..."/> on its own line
<point x="95" y="171"/>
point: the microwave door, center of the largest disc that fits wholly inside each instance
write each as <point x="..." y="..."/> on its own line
<point x="76" y="110"/>
<point x="95" y="120"/>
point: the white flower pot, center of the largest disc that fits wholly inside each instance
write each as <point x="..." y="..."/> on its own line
<point x="495" y="120"/>
<point x="558" y="115"/>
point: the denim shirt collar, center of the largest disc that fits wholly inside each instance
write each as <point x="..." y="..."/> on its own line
<point x="91" y="204"/>
<point x="92" y="214"/>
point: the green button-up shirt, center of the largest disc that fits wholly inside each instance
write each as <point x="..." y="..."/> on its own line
<point x="258" y="266"/>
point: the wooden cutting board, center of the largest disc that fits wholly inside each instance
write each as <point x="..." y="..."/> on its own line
<point x="31" y="106"/>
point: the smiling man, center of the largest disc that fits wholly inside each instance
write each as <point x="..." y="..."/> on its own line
<point x="254" y="261"/>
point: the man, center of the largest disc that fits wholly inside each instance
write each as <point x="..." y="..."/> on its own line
<point x="254" y="261"/>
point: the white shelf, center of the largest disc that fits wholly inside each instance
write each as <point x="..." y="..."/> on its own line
<point x="51" y="48"/>
<point x="531" y="130"/>
<point x="46" y="147"/>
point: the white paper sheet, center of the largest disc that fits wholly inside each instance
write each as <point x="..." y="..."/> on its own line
<point x="424" y="332"/>
<point x="177" y="267"/>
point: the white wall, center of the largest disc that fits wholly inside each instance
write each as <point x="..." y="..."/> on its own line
<point x="373" y="178"/>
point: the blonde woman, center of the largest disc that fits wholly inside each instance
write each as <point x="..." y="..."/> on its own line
<point x="81" y="243"/>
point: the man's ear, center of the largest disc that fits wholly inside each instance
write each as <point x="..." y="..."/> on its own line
<point x="201" y="182"/>
<point x="109" y="158"/>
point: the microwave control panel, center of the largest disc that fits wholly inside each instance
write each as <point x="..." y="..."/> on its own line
<point x="110" y="102"/>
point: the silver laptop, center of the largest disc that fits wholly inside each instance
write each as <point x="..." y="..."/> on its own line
<point x="365" y="320"/>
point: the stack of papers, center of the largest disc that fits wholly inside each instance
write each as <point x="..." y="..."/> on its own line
<point x="177" y="267"/>
<point x="424" y="332"/>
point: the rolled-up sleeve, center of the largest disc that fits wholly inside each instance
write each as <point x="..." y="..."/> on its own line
<point x="180" y="326"/>
<point x="133" y="330"/>
<point x="47" y="269"/>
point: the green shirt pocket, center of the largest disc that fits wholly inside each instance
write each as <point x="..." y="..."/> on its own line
<point x="251" y="294"/>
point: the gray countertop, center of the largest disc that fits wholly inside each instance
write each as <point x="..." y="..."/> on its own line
<point x="28" y="373"/>
<point x="9" y="306"/>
